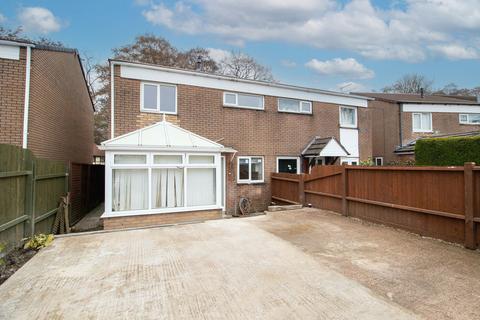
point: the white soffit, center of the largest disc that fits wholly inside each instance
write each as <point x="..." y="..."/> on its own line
<point x="9" y="52"/>
<point x="163" y="136"/>
<point x="333" y="149"/>
<point x="441" y="108"/>
<point x="150" y="73"/>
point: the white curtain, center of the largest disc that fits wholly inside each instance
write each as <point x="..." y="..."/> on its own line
<point x="130" y="189"/>
<point x="167" y="188"/>
<point x="201" y="186"/>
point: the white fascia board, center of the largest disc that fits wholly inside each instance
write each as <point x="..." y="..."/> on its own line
<point x="158" y="74"/>
<point x="164" y="149"/>
<point x="441" y="108"/>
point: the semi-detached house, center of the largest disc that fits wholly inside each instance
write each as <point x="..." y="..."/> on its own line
<point x="187" y="145"/>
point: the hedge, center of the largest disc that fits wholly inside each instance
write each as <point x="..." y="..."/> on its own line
<point x="453" y="151"/>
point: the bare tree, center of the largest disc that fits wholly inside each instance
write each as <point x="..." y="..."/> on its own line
<point x="453" y="90"/>
<point x="410" y="83"/>
<point x="241" y="65"/>
<point x="10" y="34"/>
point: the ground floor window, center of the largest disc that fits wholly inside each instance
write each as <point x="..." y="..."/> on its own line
<point x="153" y="181"/>
<point x="378" y="161"/>
<point x="349" y="161"/>
<point x="288" y="164"/>
<point x="250" y="169"/>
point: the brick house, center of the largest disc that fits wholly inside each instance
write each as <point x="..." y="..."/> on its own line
<point x="194" y="143"/>
<point x="400" y="119"/>
<point x="45" y="104"/>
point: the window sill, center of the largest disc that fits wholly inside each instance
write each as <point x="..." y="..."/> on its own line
<point x="342" y="126"/>
<point x="422" y="131"/>
<point x="469" y="124"/>
<point x="248" y="182"/>
<point x="146" y="212"/>
<point x="294" y="112"/>
<point x="157" y="112"/>
<point x="241" y="107"/>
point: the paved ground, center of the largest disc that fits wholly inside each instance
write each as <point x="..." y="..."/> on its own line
<point x="91" y="221"/>
<point x="305" y="264"/>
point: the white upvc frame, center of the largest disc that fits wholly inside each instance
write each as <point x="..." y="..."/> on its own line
<point x="299" y="106"/>
<point x="157" y="85"/>
<point x="468" y="119"/>
<point x="288" y="158"/>
<point x="350" y="161"/>
<point x="110" y="166"/>
<point x="378" y="158"/>
<point x="236" y="105"/>
<point x="250" y="181"/>
<point x="421" y="122"/>
<point x="347" y="125"/>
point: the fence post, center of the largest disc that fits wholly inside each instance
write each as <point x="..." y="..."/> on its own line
<point x="344" y="190"/>
<point x="469" y="205"/>
<point x="301" y="189"/>
<point x="29" y="229"/>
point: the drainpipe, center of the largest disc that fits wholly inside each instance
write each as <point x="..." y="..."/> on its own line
<point x="400" y="134"/>
<point x="26" y="99"/>
<point x="112" y="100"/>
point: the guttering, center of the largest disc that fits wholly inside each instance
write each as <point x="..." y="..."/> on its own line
<point x="112" y="100"/>
<point x="233" y="79"/>
<point x="26" y="105"/>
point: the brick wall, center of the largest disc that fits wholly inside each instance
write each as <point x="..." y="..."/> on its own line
<point x="61" y="114"/>
<point x="266" y="133"/>
<point x="12" y="94"/>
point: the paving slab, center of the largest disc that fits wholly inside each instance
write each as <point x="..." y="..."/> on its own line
<point x="227" y="269"/>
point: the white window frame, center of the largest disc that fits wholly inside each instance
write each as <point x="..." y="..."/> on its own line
<point x="421" y="122"/>
<point x="288" y="158"/>
<point x="156" y="84"/>
<point x="299" y="106"/>
<point x="110" y="166"/>
<point x="249" y="180"/>
<point x="236" y="105"/>
<point x="350" y="161"/>
<point x="468" y="119"/>
<point x="354" y="118"/>
<point x="378" y="158"/>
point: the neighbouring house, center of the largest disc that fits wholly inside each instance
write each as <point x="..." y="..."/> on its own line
<point x="45" y="104"/>
<point x="187" y="145"/>
<point x="400" y="119"/>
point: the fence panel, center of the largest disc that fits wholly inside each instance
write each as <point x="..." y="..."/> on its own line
<point x="286" y="187"/>
<point x="441" y="202"/>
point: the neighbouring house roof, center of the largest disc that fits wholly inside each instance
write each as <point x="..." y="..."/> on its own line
<point x="163" y="136"/>
<point x="324" y="147"/>
<point x="417" y="98"/>
<point x="409" y="148"/>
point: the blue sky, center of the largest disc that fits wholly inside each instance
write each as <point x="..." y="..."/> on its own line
<point x="317" y="43"/>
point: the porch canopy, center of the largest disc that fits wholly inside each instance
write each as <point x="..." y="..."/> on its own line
<point x="162" y="168"/>
<point x="328" y="147"/>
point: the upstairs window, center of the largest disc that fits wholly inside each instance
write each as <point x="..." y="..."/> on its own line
<point x="348" y="117"/>
<point x="243" y="100"/>
<point x="295" y="106"/>
<point x="422" y="122"/>
<point x="156" y="97"/>
<point x="469" y="118"/>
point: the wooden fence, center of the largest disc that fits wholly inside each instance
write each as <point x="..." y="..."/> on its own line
<point x="30" y="190"/>
<point x="440" y="202"/>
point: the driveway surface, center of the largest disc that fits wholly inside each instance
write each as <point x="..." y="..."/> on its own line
<point x="303" y="264"/>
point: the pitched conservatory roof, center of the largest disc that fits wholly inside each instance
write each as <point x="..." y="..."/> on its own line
<point x="324" y="147"/>
<point x="163" y="136"/>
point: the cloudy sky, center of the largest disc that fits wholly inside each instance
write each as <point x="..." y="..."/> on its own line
<point x="349" y="44"/>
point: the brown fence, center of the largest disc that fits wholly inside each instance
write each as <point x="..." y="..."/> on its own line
<point x="30" y="189"/>
<point x="440" y="202"/>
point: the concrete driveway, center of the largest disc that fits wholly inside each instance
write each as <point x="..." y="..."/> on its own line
<point x="280" y="266"/>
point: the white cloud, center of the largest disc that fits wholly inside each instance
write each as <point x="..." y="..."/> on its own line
<point x="455" y="52"/>
<point x="408" y="32"/>
<point x="351" y="87"/>
<point x="38" y="20"/>
<point x="349" y="68"/>
<point x="218" y="55"/>
<point x="2" y="18"/>
<point x="288" y="63"/>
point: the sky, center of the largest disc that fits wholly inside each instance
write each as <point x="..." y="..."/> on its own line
<point x="348" y="45"/>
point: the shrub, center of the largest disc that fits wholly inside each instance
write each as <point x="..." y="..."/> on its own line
<point x="452" y="151"/>
<point x="39" y="241"/>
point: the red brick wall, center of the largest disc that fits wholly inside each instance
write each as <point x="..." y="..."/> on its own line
<point x="12" y="94"/>
<point x="266" y="133"/>
<point x="61" y="114"/>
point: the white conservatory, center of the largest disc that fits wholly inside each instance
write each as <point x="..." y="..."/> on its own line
<point x="162" y="169"/>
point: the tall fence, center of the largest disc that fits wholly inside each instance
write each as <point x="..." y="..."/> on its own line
<point x="440" y="202"/>
<point x="30" y="190"/>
